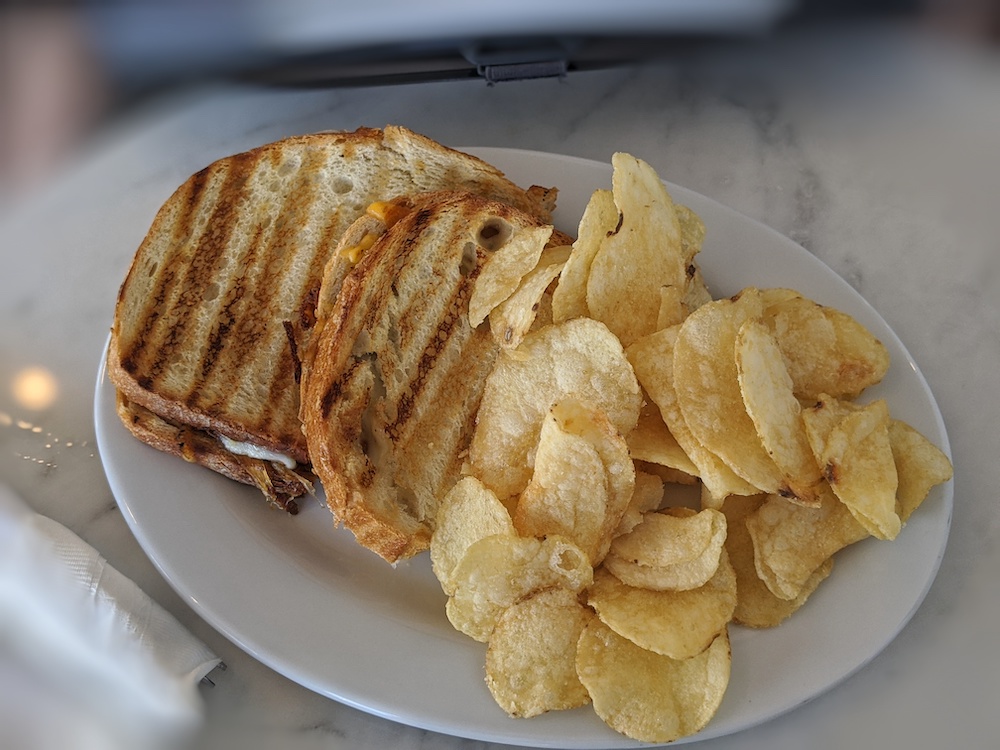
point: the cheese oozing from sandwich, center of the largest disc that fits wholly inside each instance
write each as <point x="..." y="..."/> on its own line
<point x="255" y="451"/>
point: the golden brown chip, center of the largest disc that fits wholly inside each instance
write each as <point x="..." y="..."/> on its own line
<point x="708" y="389"/>
<point x="672" y="309"/>
<point x="467" y="513"/>
<point x="756" y="606"/>
<point x="515" y="316"/>
<point x="825" y="350"/>
<point x="856" y="459"/>
<point x="676" y="549"/>
<point x="498" y="570"/>
<point x="531" y="657"/>
<point x="579" y="358"/>
<point x="569" y="300"/>
<point x="861" y="359"/>
<point x="678" y="624"/>
<point x="920" y="465"/>
<point x="790" y="541"/>
<point x="647" y="496"/>
<point x="652" y="359"/>
<point x="582" y="481"/>
<point x="775" y="411"/>
<point x="651" y="441"/>
<point x="647" y="696"/>
<point x="640" y="257"/>
<point x="503" y="272"/>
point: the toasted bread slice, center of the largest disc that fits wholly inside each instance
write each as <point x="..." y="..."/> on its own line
<point x="221" y="293"/>
<point x="396" y="371"/>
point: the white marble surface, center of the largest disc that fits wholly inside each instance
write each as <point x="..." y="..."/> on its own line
<point x="879" y="157"/>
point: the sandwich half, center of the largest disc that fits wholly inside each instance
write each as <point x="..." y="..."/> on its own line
<point x="221" y="296"/>
<point x="396" y="370"/>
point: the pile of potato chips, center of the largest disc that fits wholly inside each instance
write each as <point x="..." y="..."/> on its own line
<point x="619" y="378"/>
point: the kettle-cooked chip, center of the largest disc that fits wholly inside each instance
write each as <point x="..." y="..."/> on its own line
<point x="790" y="541"/>
<point x="647" y="496"/>
<point x="647" y="696"/>
<point x="641" y="256"/>
<point x="775" y="411"/>
<point x="675" y="549"/>
<point x="825" y="350"/>
<point x="860" y="360"/>
<point x="856" y="458"/>
<point x="678" y="624"/>
<point x="582" y="482"/>
<point x="756" y="606"/>
<point x="498" y="570"/>
<point x="514" y="317"/>
<point x="569" y="300"/>
<point x="708" y="388"/>
<point x="467" y="513"/>
<point x="502" y="272"/>
<point x="920" y="465"/>
<point x="579" y="358"/>
<point x="652" y="359"/>
<point x="531" y="657"/>
<point x="651" y="441"/>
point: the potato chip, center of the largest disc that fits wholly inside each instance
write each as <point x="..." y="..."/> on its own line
<point x="791" y="541"/>
<point x="582" y="481"/>
<point x="503" y="271"/>
<point x="515" y="316"/>
<point x="692" y="231"/>
<point x="646" y="696"/>
<point x="468" y="513"/>
<point x="676" y="549"/>
<point x="920" y="465"/>
<point x="531" y="657"/>
<point x="696" y="291"/>
<point x="678" y="624"/>
<point x="756" y="606"/>
<point x="708" y="388"/>
<point x="825" y="350"/>
<point x="569" y="300"/>
<point x="640" y="257"/>
<point x="498" y="570"/>
<point x="668" y="475"/>
<point x="673" y="308"/>
<point x="772" y="296"/>
<point x="647" y="496"/>
<point x="652" y="359"/>
<point x="579" y="358"/>
<point x="861" y="359"/>
<point x="856" y="459"/>
<point x="651" y="441"/>
<point x="776" y="413"/>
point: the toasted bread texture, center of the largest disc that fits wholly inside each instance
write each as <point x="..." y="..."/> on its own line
<point x="221" y="294"/>
<point x="396" y="373"/>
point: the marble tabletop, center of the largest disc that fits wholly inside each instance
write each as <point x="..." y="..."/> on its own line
<point x="879" y="156"/>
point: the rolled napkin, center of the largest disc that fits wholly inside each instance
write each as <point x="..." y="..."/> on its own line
<point x="105" y="654"/>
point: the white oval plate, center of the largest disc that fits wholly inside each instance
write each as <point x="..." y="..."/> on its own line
<point x="305" y="599"/>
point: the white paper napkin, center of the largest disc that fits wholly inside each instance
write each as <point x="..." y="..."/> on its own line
<point x="105" y="665"/>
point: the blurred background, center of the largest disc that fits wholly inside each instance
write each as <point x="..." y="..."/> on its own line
<point x="68" y="69"/>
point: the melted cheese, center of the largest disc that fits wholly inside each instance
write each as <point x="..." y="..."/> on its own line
<point x="255" y="451"/>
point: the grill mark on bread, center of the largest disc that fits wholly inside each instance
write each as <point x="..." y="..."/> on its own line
<point x="164" y="279"/>
<point x="243" y="336"/>
<point x="205" y="260"/>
